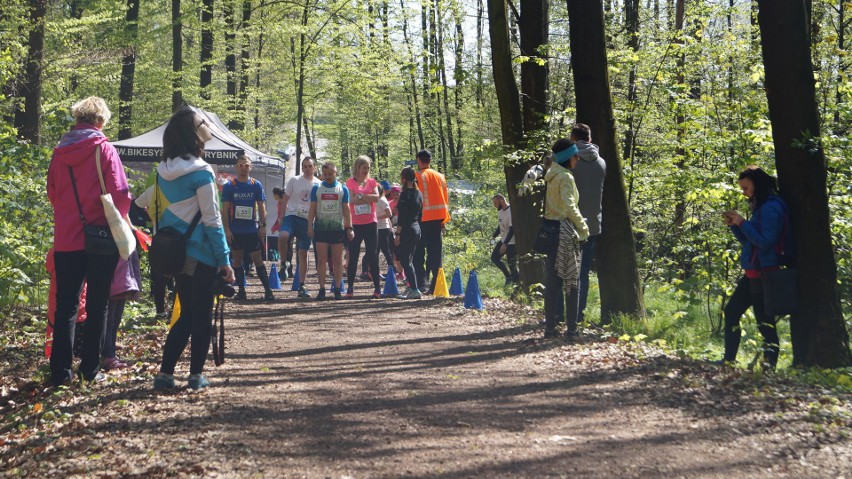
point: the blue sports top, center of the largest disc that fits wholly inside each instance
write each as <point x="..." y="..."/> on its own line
<point x="243" y="198"/>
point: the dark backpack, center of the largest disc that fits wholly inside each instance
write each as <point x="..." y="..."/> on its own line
<point x="167" y="252"/>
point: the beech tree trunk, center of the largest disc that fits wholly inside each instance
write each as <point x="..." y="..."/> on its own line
<point x="534" y="36"/>
<point x="128" y="73"/>
<point x="27" y="120"/>
<point x="818" y="332"/>
<point x="177" y="56"/>
<point x="525" y="209"/>
<point x="245" y="56"/>
<point x="230" y="62"/>
<point x="206" y="77"/>
<point x="618" y="271"/>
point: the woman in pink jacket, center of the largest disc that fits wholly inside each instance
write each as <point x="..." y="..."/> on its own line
<point x="74" y="191"/>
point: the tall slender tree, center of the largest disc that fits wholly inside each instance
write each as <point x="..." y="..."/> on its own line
<point x="128" y="71"/>
<point x="28" y="118"/>
<point x="618" y="270"/>
<point x="177" y="56"/>
<point x="206" y="77"/>
<point x="818" y="331"/>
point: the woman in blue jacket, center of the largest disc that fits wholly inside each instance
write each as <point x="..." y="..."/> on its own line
<point x="186" y="188"/>
<point x="760" y="237"/>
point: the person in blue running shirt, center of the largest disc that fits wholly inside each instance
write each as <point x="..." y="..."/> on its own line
<point x="329" y="222"/>
<point x="244" y="217"/>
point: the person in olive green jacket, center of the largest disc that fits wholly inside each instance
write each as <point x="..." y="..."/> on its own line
<point x="561" y="210"/>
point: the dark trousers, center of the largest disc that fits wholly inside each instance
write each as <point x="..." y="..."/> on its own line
<point x="557" y="306"/>
<point x="369" y="234"/>
<point x="749" y="292"/>
<point x="408" y="238"/>
<point x="428" y="254"/>
<point x="115" y="309"/>
<point x="511" y="273"/>
<point x="586" y="260"/>
<point x="159" y="284"/>
<point x="72" y="268"/>
<point x="383" y="246"/>
<point x="196" y="316"/>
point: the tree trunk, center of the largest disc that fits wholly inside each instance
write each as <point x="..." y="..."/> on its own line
<point x="533" y="28"/>
<point x="818" y="332"/>
<point x="128" y="73"/>
<point x="479" y="67"/>
<point x="309" y="138"/>
<point x="300" y="78"/>
<point x="442" y="69"/>
<point x="206" y="77"/>
<point x="525" y="209"/>
<point x="632" y="19"/>
<point x="177" y="56"/>
<point x="618" y="271"/>
<point x="230" y="62"/>
<point x="245" y="56"/>
<point x="412" y="69"/>
<point x="28" y="120"/>
<point x="841" y="67"/>
<point x="459" y="77"/>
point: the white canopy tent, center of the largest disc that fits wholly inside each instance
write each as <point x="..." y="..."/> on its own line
<point x="140" y="153"/>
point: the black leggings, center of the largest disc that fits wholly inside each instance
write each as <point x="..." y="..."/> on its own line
<point x="196" y="316"/>
<point x="72" y="268"/>
<point x="369" y="234"/>
<point x="384" y="247"/>
<point x="408" y="238"/>
<point x="749" y="292"/>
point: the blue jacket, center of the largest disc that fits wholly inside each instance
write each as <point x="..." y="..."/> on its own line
<point x="761" y="233"/>
<point x="187" y="186"/>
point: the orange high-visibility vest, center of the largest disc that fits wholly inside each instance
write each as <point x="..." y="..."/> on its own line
<point x="436" y="198"/>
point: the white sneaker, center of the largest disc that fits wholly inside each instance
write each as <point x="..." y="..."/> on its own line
<point x="413" y="294"/>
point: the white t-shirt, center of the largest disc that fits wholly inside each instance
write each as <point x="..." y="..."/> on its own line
<point x="298" y="191"/>
<point x="383" y="208"/>
<point x="504" y="217"/>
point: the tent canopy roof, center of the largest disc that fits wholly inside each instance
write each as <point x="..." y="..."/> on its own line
<point x="223" y="149"/>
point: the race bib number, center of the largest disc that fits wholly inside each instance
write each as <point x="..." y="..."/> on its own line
<point x="331" y="206"/>
<point x="244" y="212"/>
<point x="363" y="209"/>
<point x="302" y="211"/>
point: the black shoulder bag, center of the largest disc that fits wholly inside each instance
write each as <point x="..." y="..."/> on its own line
<point x="99" y="239"/>
<point x="547" y="238"/>
<point x="167" y="252"/>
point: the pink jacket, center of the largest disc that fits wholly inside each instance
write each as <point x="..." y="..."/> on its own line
<point x="77" y="150"/>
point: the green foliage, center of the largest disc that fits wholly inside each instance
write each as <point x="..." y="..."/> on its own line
<point x="26" y="222"/>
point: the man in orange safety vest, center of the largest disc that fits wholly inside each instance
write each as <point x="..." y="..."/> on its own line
<point x="436" y="213"/>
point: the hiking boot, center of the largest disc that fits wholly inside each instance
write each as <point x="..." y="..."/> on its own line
<point x="164" y="381"/>
<point x="303" y="292"/>
<point x="197" y="381"/>
<point x="267" y="295"/>
<point x="321" y="294"/>
<point x="241" y="295"/>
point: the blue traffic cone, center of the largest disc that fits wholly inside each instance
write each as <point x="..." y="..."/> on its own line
<point x="296" y="284"/>
<point x="274" y="282"/>
<point x="472" y="298"/>
<point x="456" y="288"/>
<point x="391" y="288"/>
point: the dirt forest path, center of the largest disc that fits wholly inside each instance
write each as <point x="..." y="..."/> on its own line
<point x="389" y="388"/>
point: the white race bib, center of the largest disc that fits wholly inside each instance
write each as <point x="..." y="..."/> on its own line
<point x="363" y="209"/>
<point x="244" y="212"/>
<point x="331" y="206"/>
<point x="302" y="211"/>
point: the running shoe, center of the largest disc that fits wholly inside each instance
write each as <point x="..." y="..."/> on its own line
<point x="413" y="294"/>
<point x="337" y="294"/>
<point x="164" y="381"/>
<point x="303" y="292"/>
<point x="321" y="294"/>
<point x="241" y="295"/>
<point x="366" y="276"/>
<point x="377" y="295"/>
<point x="197" y="381"/>
<point x="267" y="296"/>
<point x="282" y="274"/>
<point x="350" y="294"/>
